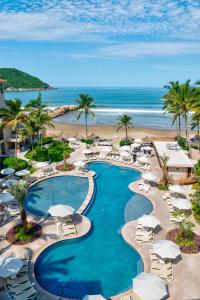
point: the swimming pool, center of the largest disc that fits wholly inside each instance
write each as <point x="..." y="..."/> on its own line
<point x="69" y="190"/>
<point x="101" y="262"/>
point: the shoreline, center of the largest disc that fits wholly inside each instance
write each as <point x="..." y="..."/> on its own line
<point x="110" y="131"/>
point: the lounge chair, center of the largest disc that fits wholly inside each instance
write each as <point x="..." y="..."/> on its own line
<point x="165" y="274"/>
<point x="17" y="281"/>
<point x="26" y="295"/>
<point x="157" y="265"/>
<point x="20" y="288"/>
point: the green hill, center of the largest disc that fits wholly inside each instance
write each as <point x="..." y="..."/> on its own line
<point x="17" y="79"/>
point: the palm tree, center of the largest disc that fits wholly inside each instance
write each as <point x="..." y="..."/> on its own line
<point x="195" y="108"/>
<point x="171" y="103"/>
<point x="13" y="115"/>
<point x="124" y="121"/>
<point x="85" y="106"/>
<point x="37" y="104"/>
<point x="19" y="191"/>
<point x="31" y="127"/>
<point x="164" y="160"/>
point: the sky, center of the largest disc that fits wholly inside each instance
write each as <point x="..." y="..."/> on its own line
<point x="102" y="42"/>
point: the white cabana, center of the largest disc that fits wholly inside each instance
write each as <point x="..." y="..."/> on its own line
<point x="177" y="189"/>
<point x="22" y="173"/>
<point x="149" y="286"/>
<point x="166" y="249"/>
<point x="149" y="221"/>
<point x="182" y="204"/>
<point x="94" y="297"/>
<point x="138" y="141"/>
<point x="125" y="148"/>
<point x="149" y="177"/>
<point x="6" y="197"/>
<point x="61" y="210"/>
<point x="9" y="182"/>
<point x="71" y="139"/>
<point x="79" y="164"/>
<point x="143" y="160"/>
<point x="10" y="266"/>
<point x="135" y="145"/>
<point x="7" y="171"/>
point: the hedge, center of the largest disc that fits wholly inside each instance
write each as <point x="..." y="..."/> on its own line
<point x="12" y="162"/>
<point x="125" y="143"/>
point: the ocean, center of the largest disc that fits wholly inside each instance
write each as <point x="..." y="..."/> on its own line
<point x="143" y="104"/>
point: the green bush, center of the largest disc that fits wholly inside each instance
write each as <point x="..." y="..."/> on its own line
<point x="183" y="143"/>
<point x="125" y="143"/>
<point x="163" y="187"/>
<point x="12" y="162"/>
<point x="45" y="140"/>
<point x="87" y="141"/>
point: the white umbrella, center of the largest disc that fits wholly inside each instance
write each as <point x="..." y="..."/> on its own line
<point x="10" y="266"/>
<point x="71" y="140"/>
<point x="147" y="148"/>
<point x="138" y="141"/>
<point x="125" y="154"/>
<point x="143" y="160"/>
<point x="149" y="286"/>
<point x="177" y="189"/>
<point x="149" y="177"/>
<point x="149" y="221"/>
<point x="22" y="173"/>
<point x="61" y="210"/>
<point x="94" y="297"/>
<point x="125" y="148"/>
<point x="79" y="163"/>
<point x="166" y="249"/>
<point x="7" y="171"/>
<point x="135" y="145"/>
<point x="9" y="182"/>
<point x="6" y="197"/>
<point x="182" y="204"/>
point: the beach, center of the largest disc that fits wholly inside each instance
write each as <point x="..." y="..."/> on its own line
<point x="110" y="131"/>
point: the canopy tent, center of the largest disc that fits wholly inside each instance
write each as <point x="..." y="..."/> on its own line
<point x="177" y="189"/>
<point x="10" y="266"/>
<point x="6" y="197"/>
<point x="149" y="286"/>
<point x="94" y="297"/>
<point x="182" y="204"/>
<point x="7" y="171"/>
<point x="149" y="221"/>
<point x="79" y="164"/>
<point x="166" y="249"/>
<point x="22" y="173"/>
<point x="149" y="177"/>
<point x="143" y="160"/>
<point x="61" y="210"/>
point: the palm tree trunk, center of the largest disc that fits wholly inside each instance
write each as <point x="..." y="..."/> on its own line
<point x="126" y="133"/>
<point x="24" y="219"/>
<point x="186" y="127"/>
<point x="16" y="142"/>
<point x="198" y="130"/>
<point x="86" y="125"/>
<point x="179" y="125"/>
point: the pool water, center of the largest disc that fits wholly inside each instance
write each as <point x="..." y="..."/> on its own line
<point x="69" y="190"/>
<point x="102" y="262"/>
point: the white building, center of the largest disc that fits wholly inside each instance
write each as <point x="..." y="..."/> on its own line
<point x="179" y="166"/>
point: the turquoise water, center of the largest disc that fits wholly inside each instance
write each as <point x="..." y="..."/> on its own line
<point x="102" y="262"/>
<point x="56" y="190"/>
<point x="143" y="104"/>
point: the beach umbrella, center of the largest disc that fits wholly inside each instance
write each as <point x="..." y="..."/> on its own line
<point x="9" y="182"/>
<point x="22" y="173"/>
<point x="135" y="145"/>
<point x="138" y="141"/>
<point x="149" y="286"/>
<point x="147" y="148"/>
<point x="79" y="164"/>
<point x="7" y="171"/>
<point x="149" y="221"/>
<point x="61" y="210"/>
<point x="71" y="140"/>
<point x="6" y="197"/>
<point x="94" y="297"/>
<point x="125" y="154"/>
<point x="149" y="177"/>
<point x="10" y="266"/>
<point x="177" y="189"/>
<point x="125" y="148"/>
<point x="143" y="160"/>
<point x="182" y="204"/>
<point x="166" y="249"/>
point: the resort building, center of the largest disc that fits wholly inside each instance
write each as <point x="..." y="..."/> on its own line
<point x="5" y="133"/>
<point x="179" y="166"/>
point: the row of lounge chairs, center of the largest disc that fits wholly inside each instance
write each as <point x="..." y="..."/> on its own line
<point x="160" y="267"/>
<point x="144" y="187"/>
<point x="175" y="219"/>
<point x="66" y="229"/>
<point x="143" y="235"/>
<point x="48" y="172"/>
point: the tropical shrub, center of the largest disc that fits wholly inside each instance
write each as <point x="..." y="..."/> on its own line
<point x="87" y="141"/>
<point x="14" y="163"/>
<point x="183" y="143"/>
<point x="125" y="143"/>
<point x="163" y="187"/>
<point x="185" y="235"/>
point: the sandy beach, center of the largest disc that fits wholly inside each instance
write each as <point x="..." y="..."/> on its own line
<point x="109" y="131"/>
